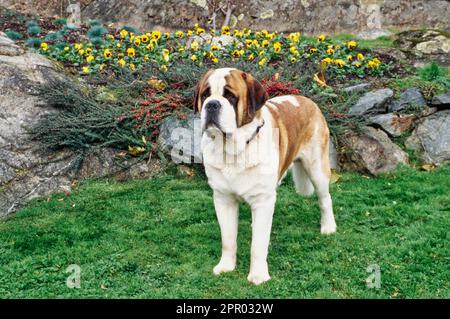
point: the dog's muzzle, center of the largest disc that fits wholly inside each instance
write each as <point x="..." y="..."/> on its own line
<point x="213" y="109"/>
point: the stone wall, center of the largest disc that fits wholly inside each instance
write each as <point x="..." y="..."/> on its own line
<point x="308" y="16"/>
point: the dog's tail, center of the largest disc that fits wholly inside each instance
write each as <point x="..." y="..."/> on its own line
<point x="302" y="182"/>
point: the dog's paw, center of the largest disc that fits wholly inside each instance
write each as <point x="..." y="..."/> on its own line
<point x="224" y="266"/>
<point x="328" y="228"/>
<point x="258" y="278"/>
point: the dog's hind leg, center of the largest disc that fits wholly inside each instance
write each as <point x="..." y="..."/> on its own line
<point x="302" y="182"/>
<point x="317" y="166"/>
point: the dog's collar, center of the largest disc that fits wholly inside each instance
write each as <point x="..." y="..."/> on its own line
<point x="255" y="132"/>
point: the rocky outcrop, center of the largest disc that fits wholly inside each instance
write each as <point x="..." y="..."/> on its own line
<point x="410" y="99"/>
<point x="372" y="152"/>
<point x="372" y="17"/>
<point x="394" y="124"/>
<point x="431" y="138"/>
<point x="26" y="169"/>
<point x="371" y="102"/>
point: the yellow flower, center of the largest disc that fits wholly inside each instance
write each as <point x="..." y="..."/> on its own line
<point x="349" y="57"/>
<point x="251" y="57"/>
<point x="330" y="51"/>
<point x="156" y="35"/>
<point x="66" y="49"/>
<point x="293" y="59"/>
<point x="118" y="45"/>
<point x="238" y="33"/>
<point x="123" y="33"/>
<point x="235" y="54"/>
<point x="85" y="70"/>
<point x="121" y="62"/>
<point x="262" y="62"/>
<point x="321" y="38"/>
<point x="131" y="52"/>
<point x="264" y="43"/>
<point x="88" y="51"/>
<point x="190" y="32"/>
<point x="200" y="30"/>
<point x="194" y="45"/>
<point x="226" y="30"/>
<point x="146" y="58"/>
<point x="163" y="68"/>
<point x="81" y="52"/>
<point x="215" y="60"/>
<point x="215" y="48"/>
<point x="78" y="46"/>
<point x="44" y="46"/>
<point x="193" y="57"/>
<point x="294" y="37"/>
<point x="340" y="63"/>
<point x="137" y="41"/>
<point x="166" y="55"/>
<point x="110" y="37"/>
<point x="264" y="33"/>
<point x="270" y="36"/>
<point x="102" y="66"/>
<point x="107" y="54"/>
<point x="248" y="43"/>
<point x="312" y="50"/>
<point x="89" y="58"/>
<point x="132" y="67"/>
<point x="167" y="34"/>
<point x="277" y="47"/>
<point x="376" y="61"/>
<point x="358" y="64"/>
<point x="351" y="45"/>
<point x="327" y="61"/>
<point x="360" y="57"/>
<point x="179" y="34"/>
<point x="294" y="51"/>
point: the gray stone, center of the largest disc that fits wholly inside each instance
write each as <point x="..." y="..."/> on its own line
<point x="442" y="100"/>
<point x="393" y="124"/>
<point x="181" y="139"/>
<point x="356" y="88"/>
<point x="8" y="47"/>
<point x="431" y="138"/>
<point x="371" y="152"/>
<point x="373" y="34"/>
<point x="27" y="170"/>
<point x="371" y="102"/>
<point x="410" y="99"/>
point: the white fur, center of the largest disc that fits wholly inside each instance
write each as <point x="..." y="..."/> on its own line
<point x="285" y="98"/>
<point x="238" y="171"/>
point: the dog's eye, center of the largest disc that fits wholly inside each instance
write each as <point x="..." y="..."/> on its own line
<point x="205" y="94"/>
<point x="230" y="97"/>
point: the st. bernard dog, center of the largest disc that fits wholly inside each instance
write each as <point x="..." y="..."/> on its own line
<point x="248" y="143"/>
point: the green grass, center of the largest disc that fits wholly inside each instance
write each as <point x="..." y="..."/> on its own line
<point x="159" y="238"/>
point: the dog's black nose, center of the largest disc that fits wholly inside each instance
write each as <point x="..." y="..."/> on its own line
<point x="213" y="106"/>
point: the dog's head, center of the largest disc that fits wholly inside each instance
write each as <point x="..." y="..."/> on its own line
<point x="228" y="99"/>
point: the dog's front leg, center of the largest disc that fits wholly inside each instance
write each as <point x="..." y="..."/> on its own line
<point x="262" y="213"/>
<point x="227" y="215"/>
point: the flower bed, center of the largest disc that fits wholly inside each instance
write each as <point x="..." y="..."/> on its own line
<point x="129" y="50"/>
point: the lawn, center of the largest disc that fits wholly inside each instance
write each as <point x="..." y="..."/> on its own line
<point x="159" y="238"/>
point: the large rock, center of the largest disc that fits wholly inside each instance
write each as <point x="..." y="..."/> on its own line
<point x="181" y="139"/>
<point x="371" y="152"/>
<point x="410" y="99"/>
<point x="307" y="16"/>
<point x="441" y="101"/>
<point x="394" y="124"/>
<point x="27" y="170"/>
<point x="371" y="102"/>
<point x="431" y="138"/>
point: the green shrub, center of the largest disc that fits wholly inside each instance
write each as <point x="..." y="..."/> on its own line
<point x="97" y="41"/>
<point x="53" y="36"/>
<point x="33" y="43"/>
<point x="96" y="31"/>
<point x="433" y="72"/>
<point x="31" y="23"/>
<point x="94" y="23"/>
<point x="13" y="35"/>
<point x="60" y="21"/>
<point x="34" y="30"/>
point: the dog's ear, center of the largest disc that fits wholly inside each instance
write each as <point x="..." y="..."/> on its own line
<point x="256" y="94"/>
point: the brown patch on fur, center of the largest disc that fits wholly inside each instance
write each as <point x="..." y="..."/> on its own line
<point x="251" y="96"/>
<point x="199" y="89"/>
<point x="296" y="125"/>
